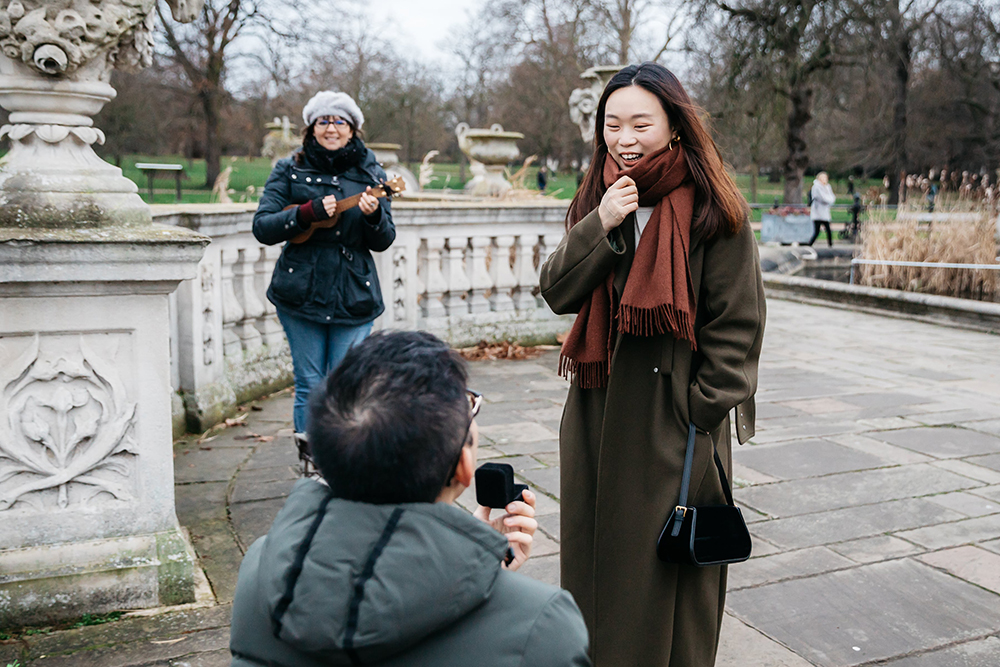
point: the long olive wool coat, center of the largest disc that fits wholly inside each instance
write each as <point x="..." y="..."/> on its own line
<point x="622" y="447"/>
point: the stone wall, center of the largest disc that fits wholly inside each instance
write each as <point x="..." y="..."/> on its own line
<point x="464" y="270"/>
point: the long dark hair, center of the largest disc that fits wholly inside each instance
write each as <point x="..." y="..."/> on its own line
<point x="719" y="205"/>
<point x="310" y="131"/>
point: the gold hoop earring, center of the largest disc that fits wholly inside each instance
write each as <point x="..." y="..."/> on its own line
<point x="670" y="144"/>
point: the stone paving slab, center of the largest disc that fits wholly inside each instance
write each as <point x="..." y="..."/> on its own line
<point x="787" y="565"/>
<point x="975" y="565"/>
<point x="874" y="607"/>
<point x="872" y="523"/>
<point x="944" y="442"/>
<point x="805" y="458"/>
<point x="806" y="496"/>
<point x="980" y="653"/>
<point x="874" y="549"/>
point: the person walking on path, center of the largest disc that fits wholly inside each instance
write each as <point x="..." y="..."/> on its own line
<point x="377" y="566"/>
<point x="662" y="267"/>
<point x="542" y="178"/>
<point x="822" y="198"/>
<point x="326" y="290"/>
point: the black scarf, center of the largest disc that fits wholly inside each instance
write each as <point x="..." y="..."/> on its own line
<point x="338" y="161"/>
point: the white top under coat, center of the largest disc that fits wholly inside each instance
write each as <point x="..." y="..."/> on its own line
<point x="642" y="215"/>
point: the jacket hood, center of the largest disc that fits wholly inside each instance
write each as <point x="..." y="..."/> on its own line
<point x="355" y="581"/>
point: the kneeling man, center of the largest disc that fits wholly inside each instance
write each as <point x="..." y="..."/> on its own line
<point x="376" y="566"/>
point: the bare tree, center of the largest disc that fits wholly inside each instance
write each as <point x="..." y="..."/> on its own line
<point x="204" y="50"/>
<point x="894" y="28"/>
<point x="797" y="39"/>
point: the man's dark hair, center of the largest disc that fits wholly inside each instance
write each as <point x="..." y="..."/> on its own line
<point x="386" y="426"/>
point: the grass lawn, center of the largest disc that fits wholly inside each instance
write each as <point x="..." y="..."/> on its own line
<point x="253" y="172"/>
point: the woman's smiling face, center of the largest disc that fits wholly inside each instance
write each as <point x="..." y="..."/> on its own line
<point x="635" y="125"/>
<point x="332" y="132"/>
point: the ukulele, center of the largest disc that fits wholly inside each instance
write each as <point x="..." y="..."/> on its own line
<point x="388" y="188"/>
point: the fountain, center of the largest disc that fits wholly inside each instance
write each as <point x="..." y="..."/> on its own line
<point x="86" y="464"/>
<point x="489" y="152"/>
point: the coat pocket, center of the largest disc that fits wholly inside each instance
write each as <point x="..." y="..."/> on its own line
<point x="666" y="354"/>
<point x="360" y="292"/>
<point x="292" y="280"/>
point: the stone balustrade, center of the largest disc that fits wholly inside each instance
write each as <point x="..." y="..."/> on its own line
<point x="466" y="271"/>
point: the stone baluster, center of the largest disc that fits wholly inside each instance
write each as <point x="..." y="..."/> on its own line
<point x="397" y="311"/>
<point x="479" y="276"/>
<point x="232" y="312"/>
<point x="458" y="280"/>
<point x="549" y="244"/>
<point x="435" y="284"/>
<point x="525" y="272"/>
<point x="244" y="275"/>
<point x="268" y="325"/>
<point x="504" y="280"/>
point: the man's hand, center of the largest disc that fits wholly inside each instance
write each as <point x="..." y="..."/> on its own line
<point x="621" y="199"/>
<point x="517" y="524"/>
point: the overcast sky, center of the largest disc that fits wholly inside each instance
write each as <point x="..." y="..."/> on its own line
<point x="423" y="26"/>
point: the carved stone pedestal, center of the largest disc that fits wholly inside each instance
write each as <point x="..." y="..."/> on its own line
<point x="87" y="522"/>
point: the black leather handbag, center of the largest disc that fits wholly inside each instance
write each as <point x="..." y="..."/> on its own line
<point x="705" y="535"/>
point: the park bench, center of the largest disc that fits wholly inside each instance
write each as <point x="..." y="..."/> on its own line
<point x="150" y="169"/>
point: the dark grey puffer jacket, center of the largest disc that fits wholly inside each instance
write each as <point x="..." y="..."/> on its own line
<point x="336" y="582"/>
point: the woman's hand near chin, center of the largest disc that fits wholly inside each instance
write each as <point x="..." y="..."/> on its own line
<point x="621" y="199"/>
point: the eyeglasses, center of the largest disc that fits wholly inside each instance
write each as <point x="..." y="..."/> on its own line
<point x="338" y="123"/>
<point x="475" y="403"/>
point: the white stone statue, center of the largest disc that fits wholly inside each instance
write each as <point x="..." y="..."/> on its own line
<point x="280" y="140"/>
<point x="583" y="101"/>
<point x="489" y="151"/>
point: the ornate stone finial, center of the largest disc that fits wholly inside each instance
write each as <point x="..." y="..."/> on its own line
<point x="583" y="101"/>
<point x="55" y="66"/>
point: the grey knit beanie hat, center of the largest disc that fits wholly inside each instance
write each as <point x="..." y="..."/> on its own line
<point x="329" y="103"/>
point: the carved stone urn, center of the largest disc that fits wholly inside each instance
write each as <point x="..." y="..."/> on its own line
<point x="583" y="101"/>
<point x="387" y="156"/>
<point x="54" y="73"/>
<point x="489" y="151"/>
<point x="87" y="519"/>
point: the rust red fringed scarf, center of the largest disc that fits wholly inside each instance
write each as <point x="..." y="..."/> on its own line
<point x="658" y="297"/>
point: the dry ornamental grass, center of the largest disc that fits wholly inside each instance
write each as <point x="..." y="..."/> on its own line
<point x="954" y="236"/>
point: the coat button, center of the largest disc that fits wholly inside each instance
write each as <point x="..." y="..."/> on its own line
<point x="338" y="232"/>
<point x="368" y="284"/>
<point x="308" y="179"/>
<point x="656" y="370"/>
<point x="294" y="176"/>
<point x="327" y="317"/>
<point x="291" y="270"/>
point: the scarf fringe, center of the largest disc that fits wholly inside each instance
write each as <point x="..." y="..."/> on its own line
<point x="656" y="321"/>
<point x="584" y="374"/>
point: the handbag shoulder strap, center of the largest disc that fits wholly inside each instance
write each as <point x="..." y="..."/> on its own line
<point x="689" y="460"/>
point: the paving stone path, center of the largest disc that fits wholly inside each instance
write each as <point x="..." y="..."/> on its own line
<point x="872" y="489"/>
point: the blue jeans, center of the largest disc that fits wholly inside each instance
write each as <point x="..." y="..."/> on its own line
<point x="317" y="349"/>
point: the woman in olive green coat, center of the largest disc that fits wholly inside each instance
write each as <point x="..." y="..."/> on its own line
<point x="669" y="332"/>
